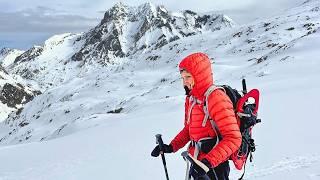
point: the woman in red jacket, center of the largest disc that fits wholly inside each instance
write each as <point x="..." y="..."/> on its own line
<point x="197" y="77"/>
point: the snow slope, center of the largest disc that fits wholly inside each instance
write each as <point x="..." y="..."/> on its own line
<point x="7" y="56"/>
<point x="100" y="124"/>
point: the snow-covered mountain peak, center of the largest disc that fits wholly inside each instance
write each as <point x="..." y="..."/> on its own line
<point x="115" y="13"/>
<point x="150" y="10"/>
<point x="127" y="30"/>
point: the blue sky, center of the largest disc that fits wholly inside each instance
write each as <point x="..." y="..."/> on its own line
<point x="24" y="23"/>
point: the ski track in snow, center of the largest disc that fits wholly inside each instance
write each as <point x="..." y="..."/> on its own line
<point x="288" y="164"/>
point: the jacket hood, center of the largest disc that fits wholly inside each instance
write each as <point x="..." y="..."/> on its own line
<point x="199" y="66"/>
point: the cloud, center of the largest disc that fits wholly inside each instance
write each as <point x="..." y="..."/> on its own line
<point x="43" y="19"/>
<point x="32" y="26"/>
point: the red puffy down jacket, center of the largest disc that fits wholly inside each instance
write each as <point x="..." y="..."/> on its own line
<point x="220" y="109"/>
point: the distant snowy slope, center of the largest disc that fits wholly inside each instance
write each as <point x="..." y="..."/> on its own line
<point x="47" y="65"/>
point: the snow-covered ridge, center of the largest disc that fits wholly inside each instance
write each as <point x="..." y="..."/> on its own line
<point x="47" y="65"/>
<point x="7" y="56"/>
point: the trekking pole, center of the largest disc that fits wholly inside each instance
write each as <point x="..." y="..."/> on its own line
<point x="244" y="86"/>
<point x="194" y="162"/>
<point x="160" y="142"/>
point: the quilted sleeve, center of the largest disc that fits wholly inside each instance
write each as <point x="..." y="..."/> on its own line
<point x="221" y="111"/>
<point x="182" y="138"/>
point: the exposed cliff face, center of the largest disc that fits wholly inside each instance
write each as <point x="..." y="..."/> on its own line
<point x="13" y="94"/>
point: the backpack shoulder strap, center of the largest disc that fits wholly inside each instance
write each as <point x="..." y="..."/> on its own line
<point x="206" y="111"/>
<point x="192" y="102"/>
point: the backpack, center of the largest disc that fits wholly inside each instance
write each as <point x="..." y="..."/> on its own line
<point x="246" y="114"/>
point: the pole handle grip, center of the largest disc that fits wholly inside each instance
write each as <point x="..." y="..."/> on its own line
<point x="159" y="141"/>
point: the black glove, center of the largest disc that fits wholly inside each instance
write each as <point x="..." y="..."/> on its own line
<point x="197" y="172"/>
<point x="166" y="149"/>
